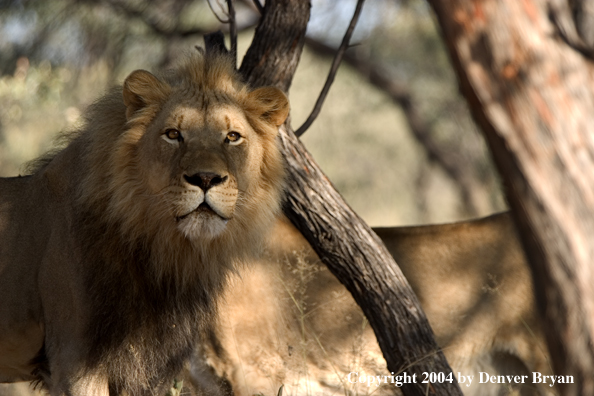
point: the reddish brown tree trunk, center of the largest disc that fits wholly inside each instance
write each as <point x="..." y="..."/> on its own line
<point x="343" y="241"/>
<point x="525" y="68"/>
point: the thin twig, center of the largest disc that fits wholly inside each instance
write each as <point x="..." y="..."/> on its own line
<point x="174" y="32"/>
<point x="333" y="69"/>
<point x="450" y="162"/>
<point x="215" y="13"/>
<point x="232" y="30"/>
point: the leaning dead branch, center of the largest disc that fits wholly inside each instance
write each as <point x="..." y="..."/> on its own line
<point x="352" y="252"/>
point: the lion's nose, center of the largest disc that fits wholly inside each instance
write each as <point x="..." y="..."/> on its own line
<point x="205" y="180"/>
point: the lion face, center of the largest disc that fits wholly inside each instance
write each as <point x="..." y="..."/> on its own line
<point x="201" y="160"/>
<point x="196" y="157"/>
<point x="137" y="224"/>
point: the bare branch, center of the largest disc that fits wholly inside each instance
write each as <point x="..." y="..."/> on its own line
<point x="215" y="13"/>
<point x="342" y="240"/>
<point x="333" y="69"/>
<point x="280" y="35"/>
<point x="573" y="23"/>
<point x="449" y="162"/>
<point x="232" y="30"/>
<point x="174" y="32"/>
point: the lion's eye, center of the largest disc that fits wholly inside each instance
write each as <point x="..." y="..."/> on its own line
<point x="233" y="137"/>
<point x="173" y="134"/>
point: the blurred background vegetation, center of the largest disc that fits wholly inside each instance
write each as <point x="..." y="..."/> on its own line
<point x="394" y="136"/>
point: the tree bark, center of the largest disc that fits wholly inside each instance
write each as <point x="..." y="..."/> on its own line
<point x="352" y="252"/>
<point x="525" y="68"/>
<point x="274" y="54"/>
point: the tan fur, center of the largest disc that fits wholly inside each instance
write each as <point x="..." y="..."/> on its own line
<point x="113" y="251"/>
<point x="289" y="321"/>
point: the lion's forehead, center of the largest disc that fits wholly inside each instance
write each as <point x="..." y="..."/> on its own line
<point x="218" y="116"/>
<point x="186" y="115"/>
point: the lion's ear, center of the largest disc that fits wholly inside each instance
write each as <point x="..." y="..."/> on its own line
<point x="272" y="104"/>
<point x="141" y="88"/>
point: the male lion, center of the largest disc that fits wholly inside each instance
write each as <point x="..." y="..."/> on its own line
<point x="113" y="251"/>
<point x="289" y="321"/>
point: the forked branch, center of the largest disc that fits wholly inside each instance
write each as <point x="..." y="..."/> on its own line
<point x="352" y="252"/>
<point x="232" y="22"/>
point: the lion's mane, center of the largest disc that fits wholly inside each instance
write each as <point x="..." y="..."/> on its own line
<point x="149" y="288"/>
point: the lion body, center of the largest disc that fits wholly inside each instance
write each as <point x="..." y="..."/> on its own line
<point x="113" y="252"/>
<point x="289" y="321"/>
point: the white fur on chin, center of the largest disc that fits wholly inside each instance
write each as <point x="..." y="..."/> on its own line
<point x="201" y="225"/>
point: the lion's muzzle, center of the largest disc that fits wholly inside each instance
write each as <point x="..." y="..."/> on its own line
<point x="205" y="180"/>
<point x="204" y="203"/>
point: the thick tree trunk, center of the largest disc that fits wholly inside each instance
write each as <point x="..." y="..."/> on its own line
<point x="357" y="257"/>
<point x="525" y="68"/>
<point x="343" y="241"/>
